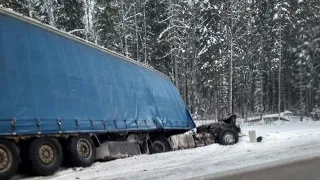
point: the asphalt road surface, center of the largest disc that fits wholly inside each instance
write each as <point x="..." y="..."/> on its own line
<point x="302" y="170"/>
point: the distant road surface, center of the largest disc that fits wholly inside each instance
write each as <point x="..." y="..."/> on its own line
<point x="301" y="170"/>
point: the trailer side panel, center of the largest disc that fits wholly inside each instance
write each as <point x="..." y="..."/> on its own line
<point x="53" y="84"/>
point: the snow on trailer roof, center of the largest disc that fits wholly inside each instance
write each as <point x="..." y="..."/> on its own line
<point x="11" y="13"/>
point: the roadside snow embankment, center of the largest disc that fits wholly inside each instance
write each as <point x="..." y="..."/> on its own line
<point x="281" y="142"/>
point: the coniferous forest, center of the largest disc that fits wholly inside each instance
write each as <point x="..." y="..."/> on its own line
<point x="250" y="57"/>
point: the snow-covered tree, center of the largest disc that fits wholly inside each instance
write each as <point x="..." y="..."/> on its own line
<point x="69" y="17"/>
<point x="246" y="57"/>
<point x="25" y="7"/>
<point x="175" y="34"/>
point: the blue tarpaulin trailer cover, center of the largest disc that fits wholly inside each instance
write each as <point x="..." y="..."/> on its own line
<point x="52" y="82"/>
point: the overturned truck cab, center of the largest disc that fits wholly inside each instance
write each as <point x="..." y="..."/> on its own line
<point x="224" y="132"/>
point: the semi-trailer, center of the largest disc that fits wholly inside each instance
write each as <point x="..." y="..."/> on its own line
<point x="63" y="99"/>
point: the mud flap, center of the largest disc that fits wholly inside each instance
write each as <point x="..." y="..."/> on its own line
<point x="115" y="150"/>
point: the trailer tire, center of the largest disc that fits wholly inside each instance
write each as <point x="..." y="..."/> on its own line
<point x="81" y="151"/>
<point x="9" y="159"/>
<point x="228" y="137"/>
<point x="160" y="145"/>
<point x="45" y="156"/>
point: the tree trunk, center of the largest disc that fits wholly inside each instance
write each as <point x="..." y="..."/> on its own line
<point x="231" y="61"/>
<point x="301" y="94"/>
<point x="145" y="32"/>
<point x="30" y="9"/>
<point x="279" y="80"/>
<point x="136" y="33"/>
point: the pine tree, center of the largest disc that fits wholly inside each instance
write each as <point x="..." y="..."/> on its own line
<point x="69" y="17"/>
<point x="24" y="7"/>
<point x="105" y="24"/>
<point x="249" y="57"/>
<point x="175" y="35"/>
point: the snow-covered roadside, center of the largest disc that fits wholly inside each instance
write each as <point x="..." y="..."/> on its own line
<point x="280" y="142"/>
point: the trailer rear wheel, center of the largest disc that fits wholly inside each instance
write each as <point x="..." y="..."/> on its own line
<point x="160" y="145"/>
<point x="81" y="151"/>
<point x="228" y="137"/>
<point x="9" y="159"/>
<point x="45" y="156"/>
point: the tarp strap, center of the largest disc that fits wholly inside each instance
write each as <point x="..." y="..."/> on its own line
<point x="78" y="124"/>
<point x="13" y="123"/>
<point x="59" y="124"/>
<point x="104" y="124"/>
<point x="91" y="122"/>
<point x="39" y="125"/>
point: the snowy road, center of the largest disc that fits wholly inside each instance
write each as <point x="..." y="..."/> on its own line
<point x="281" y="143"/>
<point x="305" y="169"/>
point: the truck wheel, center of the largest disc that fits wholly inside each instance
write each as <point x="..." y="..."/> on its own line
<point x="81" y="151"/>
<point x="228" y="137"/>
<point x="45" y="156"/>
<point x="9" y="159"/>
<point x="160" y="145"/>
